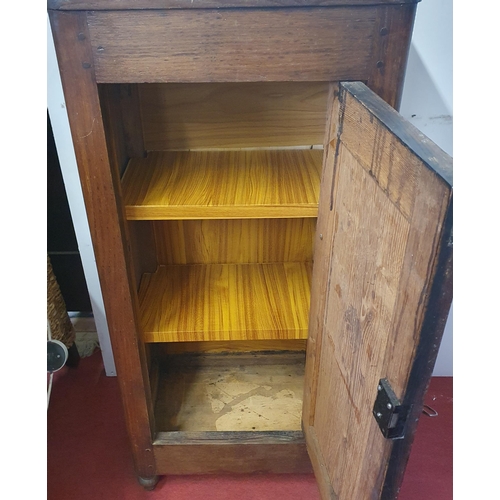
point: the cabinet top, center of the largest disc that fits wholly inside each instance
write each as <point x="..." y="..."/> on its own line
<point x="204" y="4"/>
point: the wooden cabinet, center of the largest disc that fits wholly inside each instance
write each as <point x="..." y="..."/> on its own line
<point x="273" y="240"/>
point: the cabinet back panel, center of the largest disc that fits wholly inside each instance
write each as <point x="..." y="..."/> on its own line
<point x="234" y="241"/>
<point x="229" y="115"/>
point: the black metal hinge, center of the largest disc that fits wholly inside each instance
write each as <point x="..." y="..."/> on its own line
<point x="388" y="411"/>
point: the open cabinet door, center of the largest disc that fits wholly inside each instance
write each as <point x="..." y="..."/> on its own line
<point x="381" y="292"/>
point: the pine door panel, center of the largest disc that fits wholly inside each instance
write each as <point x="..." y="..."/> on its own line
<point x="385" y="252"/>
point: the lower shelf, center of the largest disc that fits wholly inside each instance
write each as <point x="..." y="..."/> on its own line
<point x="229" y="413"/>
<point x="230" y="392"/>
<point x="226" y="302"/>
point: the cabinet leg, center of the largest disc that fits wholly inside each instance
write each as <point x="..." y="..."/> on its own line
<point x="148" y="483"/>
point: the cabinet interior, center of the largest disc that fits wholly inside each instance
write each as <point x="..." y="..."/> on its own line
<point x="219" y="184"/>
<point x="230" y="391"/>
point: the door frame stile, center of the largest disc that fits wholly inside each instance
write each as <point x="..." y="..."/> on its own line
<point x="436" y="315"/>
<point x="391" y="47"/>
<point x="323" y="240"/>
<point x="100" y="183"/>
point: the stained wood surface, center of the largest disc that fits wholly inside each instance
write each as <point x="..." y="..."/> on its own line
<point x="142" y="248"/>
<point x="204" y="4"/>
<point x="232" y="45"/>
<point x="225" y="302"/>
<point x="440" y="297"/>
<point x="99" y="182"/>
<point x="231" y="392"/>
<point x="390" y="51"/>
<point x="222" y="184"/>
<point x="233" y="115"/>
<point x="231" y="452"/>
<point x="234" y="241"/>
<point x="230" y="346"/>
<point x="131" y="119"/>
<point x="322" y="244"/>
<point x="110" y="100"/>
<point x="388" y="205"/>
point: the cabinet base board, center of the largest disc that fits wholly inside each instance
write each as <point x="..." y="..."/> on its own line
<point x="231" y="452"/>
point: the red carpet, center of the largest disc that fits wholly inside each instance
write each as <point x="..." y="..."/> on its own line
<point x="88" y="455"/>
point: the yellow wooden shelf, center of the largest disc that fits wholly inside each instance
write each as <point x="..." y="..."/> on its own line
<point x="223" y="184"/>
<point x="226" y="302"/>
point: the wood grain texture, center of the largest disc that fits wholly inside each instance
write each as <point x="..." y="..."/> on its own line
<point x="222" y="184"/>
<point x="368" y="254"/>
<point x="389" y="213"/>
<point x="122" y="122"/>
<point x="440" y="296"/>
<point x="437" y="161"/>
<point x="205" y="4"/>
<point x="222" y="452"/>
<point x="225" y="302"/>
<point x="391" y="45"/>
<point x="132" y="120"/>
<point x="320" y="44"/>
<point x="119" y="111"/>
<point x="233" y="115"/>
<point x="231" y="392"/>
<point x="110" y="101"/>
<point x="322" y="244"/>
<point x="230" y="346"/>
<point x="318" y="464"/>
<point x="100" y="185"/>
<point x="382" y="156"/>
<point x="233" y="241"/>
<point x="142" y="248"/>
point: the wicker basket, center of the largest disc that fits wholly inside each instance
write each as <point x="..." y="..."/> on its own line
<point x="60" y="324"/>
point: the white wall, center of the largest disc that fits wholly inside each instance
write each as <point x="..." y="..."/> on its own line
<point x="428" y="103"/>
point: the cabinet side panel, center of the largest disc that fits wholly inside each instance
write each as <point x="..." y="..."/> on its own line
<point x="390" y="52"/>
<point x="100" y="186"/>
<point x="122" y="125"/>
